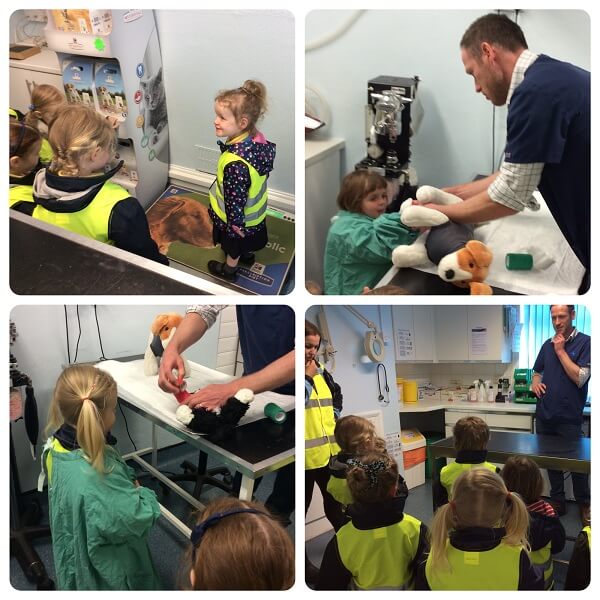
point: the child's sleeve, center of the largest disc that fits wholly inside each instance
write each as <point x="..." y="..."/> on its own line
<point x="128" y="229"/>
<point x="578" y="573"/>
<point x="333" y="575"/>
<point x="119" y="510"/>
<point x="375" y="240"/>
<point x="236" y="184"/>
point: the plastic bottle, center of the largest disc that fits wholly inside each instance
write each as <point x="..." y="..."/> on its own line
<point x="490" y="396"/>
<point x="472" y="394"/>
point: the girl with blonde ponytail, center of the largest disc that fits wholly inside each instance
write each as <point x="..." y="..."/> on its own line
<point x="99" y="515"/>
<point x="479" y="539"/>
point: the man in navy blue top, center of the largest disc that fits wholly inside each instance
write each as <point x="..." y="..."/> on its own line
<point x="547" y="134"/>
<point x="560" y="382"/>
<point x="267" y="334"/>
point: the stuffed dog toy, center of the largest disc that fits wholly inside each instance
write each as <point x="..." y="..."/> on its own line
<point x="215" y="425"/>
<point x="460" y="258"/>
<point x="161" y="331"/>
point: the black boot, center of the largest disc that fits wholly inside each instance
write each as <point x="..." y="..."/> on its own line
<point x="311" y="573"/>
<point x="222" y="270"/>
<point x="248" y="258"/>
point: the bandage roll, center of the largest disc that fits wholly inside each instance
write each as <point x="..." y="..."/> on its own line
<point x="519" y="262"/>
<point x="275" y="413"/>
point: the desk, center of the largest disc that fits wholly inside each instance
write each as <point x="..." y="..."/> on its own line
<point x="45" y="259"/>
<point x="548" y="451"/>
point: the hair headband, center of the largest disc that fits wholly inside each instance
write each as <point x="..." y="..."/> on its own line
<point x="14" y="149"/>
<point x="200" y="530"/>
<point x="371" y="469"/>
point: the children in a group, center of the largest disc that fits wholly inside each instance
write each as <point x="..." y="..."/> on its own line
<point x="24" y="147"/>
<point x="75" y="193"/>
<point x="580" y="565"/>
<point x="479" y="539"/>
<point x="46" y="101"/>
<point x="99" y="514"/>
<point x="355" y="436"/>
<point x="239" y="545"/>
<point x="238" y="198"/>
<point x="362" y="235"/>
<point x="381" y="546"/>
<point x="546" y="534"/>
<point x="471" y="437"/>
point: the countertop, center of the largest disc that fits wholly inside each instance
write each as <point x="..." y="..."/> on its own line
<point x="46" y="62"/>
<point x="315" y="149"/>
<point x="471" y="407"/>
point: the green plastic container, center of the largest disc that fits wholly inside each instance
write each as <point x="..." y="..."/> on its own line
<point x="519" y="262"/>
<point x="430" y="438"/>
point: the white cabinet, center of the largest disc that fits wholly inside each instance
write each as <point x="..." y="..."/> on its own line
<point x="471" y="333"/>
<point x="413" y="333"/>
<point x="323" y="174"/>
<point x="35" y="70"/>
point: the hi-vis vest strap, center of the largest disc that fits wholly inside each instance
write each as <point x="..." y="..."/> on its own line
<point x="255" y="210"/>
<point x="12" y="113"/>
<point x="19" y="193"/>
<point x="449" y="474"/>
<point x="379" y="558"/>
<point x="93" y="220"/>
<point x="588" y="531"/>
<point x="319" y="424"/>
<point x="542" y="559"/>
<point x="496" y="569"/>
<point x="51" y="445"/>
<point x="46" y="154"/>
<point x="338" y="488"/>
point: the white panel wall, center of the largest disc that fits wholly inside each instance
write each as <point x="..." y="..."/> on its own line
<point x="455" y="140"/>
<point x="41" y="351"/>
<point x="204" y="51"/>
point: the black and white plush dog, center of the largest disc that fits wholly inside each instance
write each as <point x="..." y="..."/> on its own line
<point x="216" y="425"/>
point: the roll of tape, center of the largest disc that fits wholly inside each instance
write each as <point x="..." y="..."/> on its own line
<point x="275" y="413"/>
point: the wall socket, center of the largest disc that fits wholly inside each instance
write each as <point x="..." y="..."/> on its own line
<point x="36" y="16"/>
<point x="207" y="159"/>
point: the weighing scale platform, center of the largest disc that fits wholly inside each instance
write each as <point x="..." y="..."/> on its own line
<point x="180" y="225"/>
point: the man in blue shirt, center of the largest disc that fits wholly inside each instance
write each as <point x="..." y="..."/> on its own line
<point x="560" y="382"/>
<point x="547" y="134"/>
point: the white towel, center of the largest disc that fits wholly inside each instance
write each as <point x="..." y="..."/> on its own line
<point x="143" y="391"/>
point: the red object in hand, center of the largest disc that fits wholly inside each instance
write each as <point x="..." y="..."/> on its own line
<point x="182" y="396"/>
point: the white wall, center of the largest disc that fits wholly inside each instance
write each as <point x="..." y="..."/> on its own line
<point x="41" y="352"/>
<point x="455" y="140"/>
<point x="204" y="51"/>
<point x="358" y="380"/>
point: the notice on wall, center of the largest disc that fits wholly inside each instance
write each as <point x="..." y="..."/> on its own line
<point x="405" y="347"/>
<point x="394" y="447"/>
<point x="479" y="340"/>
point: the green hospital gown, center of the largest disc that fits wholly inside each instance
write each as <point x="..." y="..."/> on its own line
<point x="99" y="524"/>
<point x="359" y="248"/>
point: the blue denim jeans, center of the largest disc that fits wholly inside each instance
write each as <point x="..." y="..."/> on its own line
<point x="581" y="485"/>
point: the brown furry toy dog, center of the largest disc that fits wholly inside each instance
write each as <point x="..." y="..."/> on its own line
<point x="218" y="424"/>
<point x="460" y="258"/>
<point x="161" y="331"/>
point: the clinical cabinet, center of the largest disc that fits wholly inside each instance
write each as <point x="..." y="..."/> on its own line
<point x="323" y="174"/>
<point x="451" y="334"/>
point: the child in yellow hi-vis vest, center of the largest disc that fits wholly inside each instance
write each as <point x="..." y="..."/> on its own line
<point x="355" y="436"/>
<point x="24" y="147"/>
<point x="75" y="191"/>
<point x="479" y="539"/>
<point x="238" y="197"/>
<point x="381" y="547"/>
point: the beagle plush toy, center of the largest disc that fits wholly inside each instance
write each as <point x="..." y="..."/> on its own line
<point x="161" y="331"/>
<point x="460" y="258"/>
